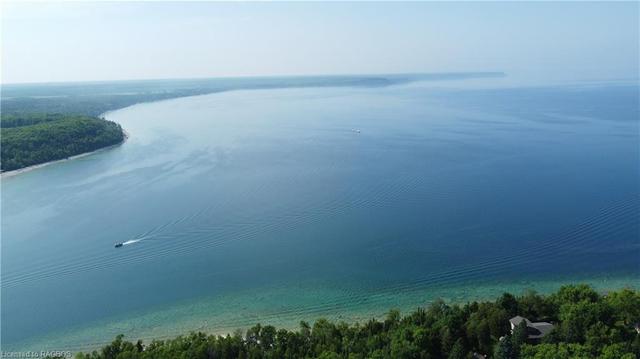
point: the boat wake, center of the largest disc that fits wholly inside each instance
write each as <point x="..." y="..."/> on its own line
<point x="132" y="241"/>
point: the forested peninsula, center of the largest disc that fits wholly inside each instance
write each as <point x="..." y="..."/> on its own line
<point x="30" y="138"/>
<point x="574" y="322"/>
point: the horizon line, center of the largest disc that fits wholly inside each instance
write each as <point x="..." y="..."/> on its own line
<point x="27" y="83"/>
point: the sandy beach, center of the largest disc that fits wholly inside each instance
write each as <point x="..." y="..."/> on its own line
<point x="8" y="174"/>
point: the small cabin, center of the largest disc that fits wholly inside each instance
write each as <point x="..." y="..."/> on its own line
<point x="535" y="331"/>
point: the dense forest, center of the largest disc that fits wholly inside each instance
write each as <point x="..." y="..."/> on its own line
<point x="30" y="139"/>
<point x="586" y="324"/>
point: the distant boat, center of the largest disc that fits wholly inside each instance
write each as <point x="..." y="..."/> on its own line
<point x="118" y="245"/>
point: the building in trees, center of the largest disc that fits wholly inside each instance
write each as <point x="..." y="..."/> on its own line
<point x="535" y="331"/>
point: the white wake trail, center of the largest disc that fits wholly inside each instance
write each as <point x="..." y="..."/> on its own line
<point x="136" y="240"/>
<point x="131" y="241"/>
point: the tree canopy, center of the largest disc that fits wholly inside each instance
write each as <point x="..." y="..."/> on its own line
<point x="37" y="138"/>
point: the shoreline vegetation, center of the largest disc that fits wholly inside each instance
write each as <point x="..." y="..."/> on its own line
<point x="11" y="173"/>
<point x="33" y="127"/>
<point x="574" y="322"/>
<point x="30" y="141"/>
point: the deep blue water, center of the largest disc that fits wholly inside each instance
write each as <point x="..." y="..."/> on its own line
<point x="285" y="204"/>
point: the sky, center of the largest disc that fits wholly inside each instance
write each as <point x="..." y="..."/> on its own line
<point x="95" y="41"/>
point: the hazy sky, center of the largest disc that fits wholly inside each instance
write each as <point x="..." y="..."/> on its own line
<point x="44" y="42"/>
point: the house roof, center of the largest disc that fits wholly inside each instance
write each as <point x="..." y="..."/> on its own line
<point x="518" y="319"/>
<point x="535" y="330"/>
<point x="543" y="327"/>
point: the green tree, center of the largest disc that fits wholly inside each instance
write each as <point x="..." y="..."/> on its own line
<point x="578" y="317"/>
<point x="519" y="338"/>
<point x="616" y="351"/>
<point x="458" y="351"/>
<point x="626" y="305"/>
<point x="509" y="303"/>
<point x="572" y="294"/>
<point x="504" y="349"/>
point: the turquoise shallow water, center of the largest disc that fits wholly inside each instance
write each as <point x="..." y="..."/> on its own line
<point x="282" y="307"/>
<point x="285" y="204"/>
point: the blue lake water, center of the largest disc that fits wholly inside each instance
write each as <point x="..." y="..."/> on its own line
<point x="278" y="205"/>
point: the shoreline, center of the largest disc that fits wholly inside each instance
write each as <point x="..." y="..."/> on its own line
<point x="13" y="173"/>
<point x="102" y="116"/>
<point x="195" y="316"/>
